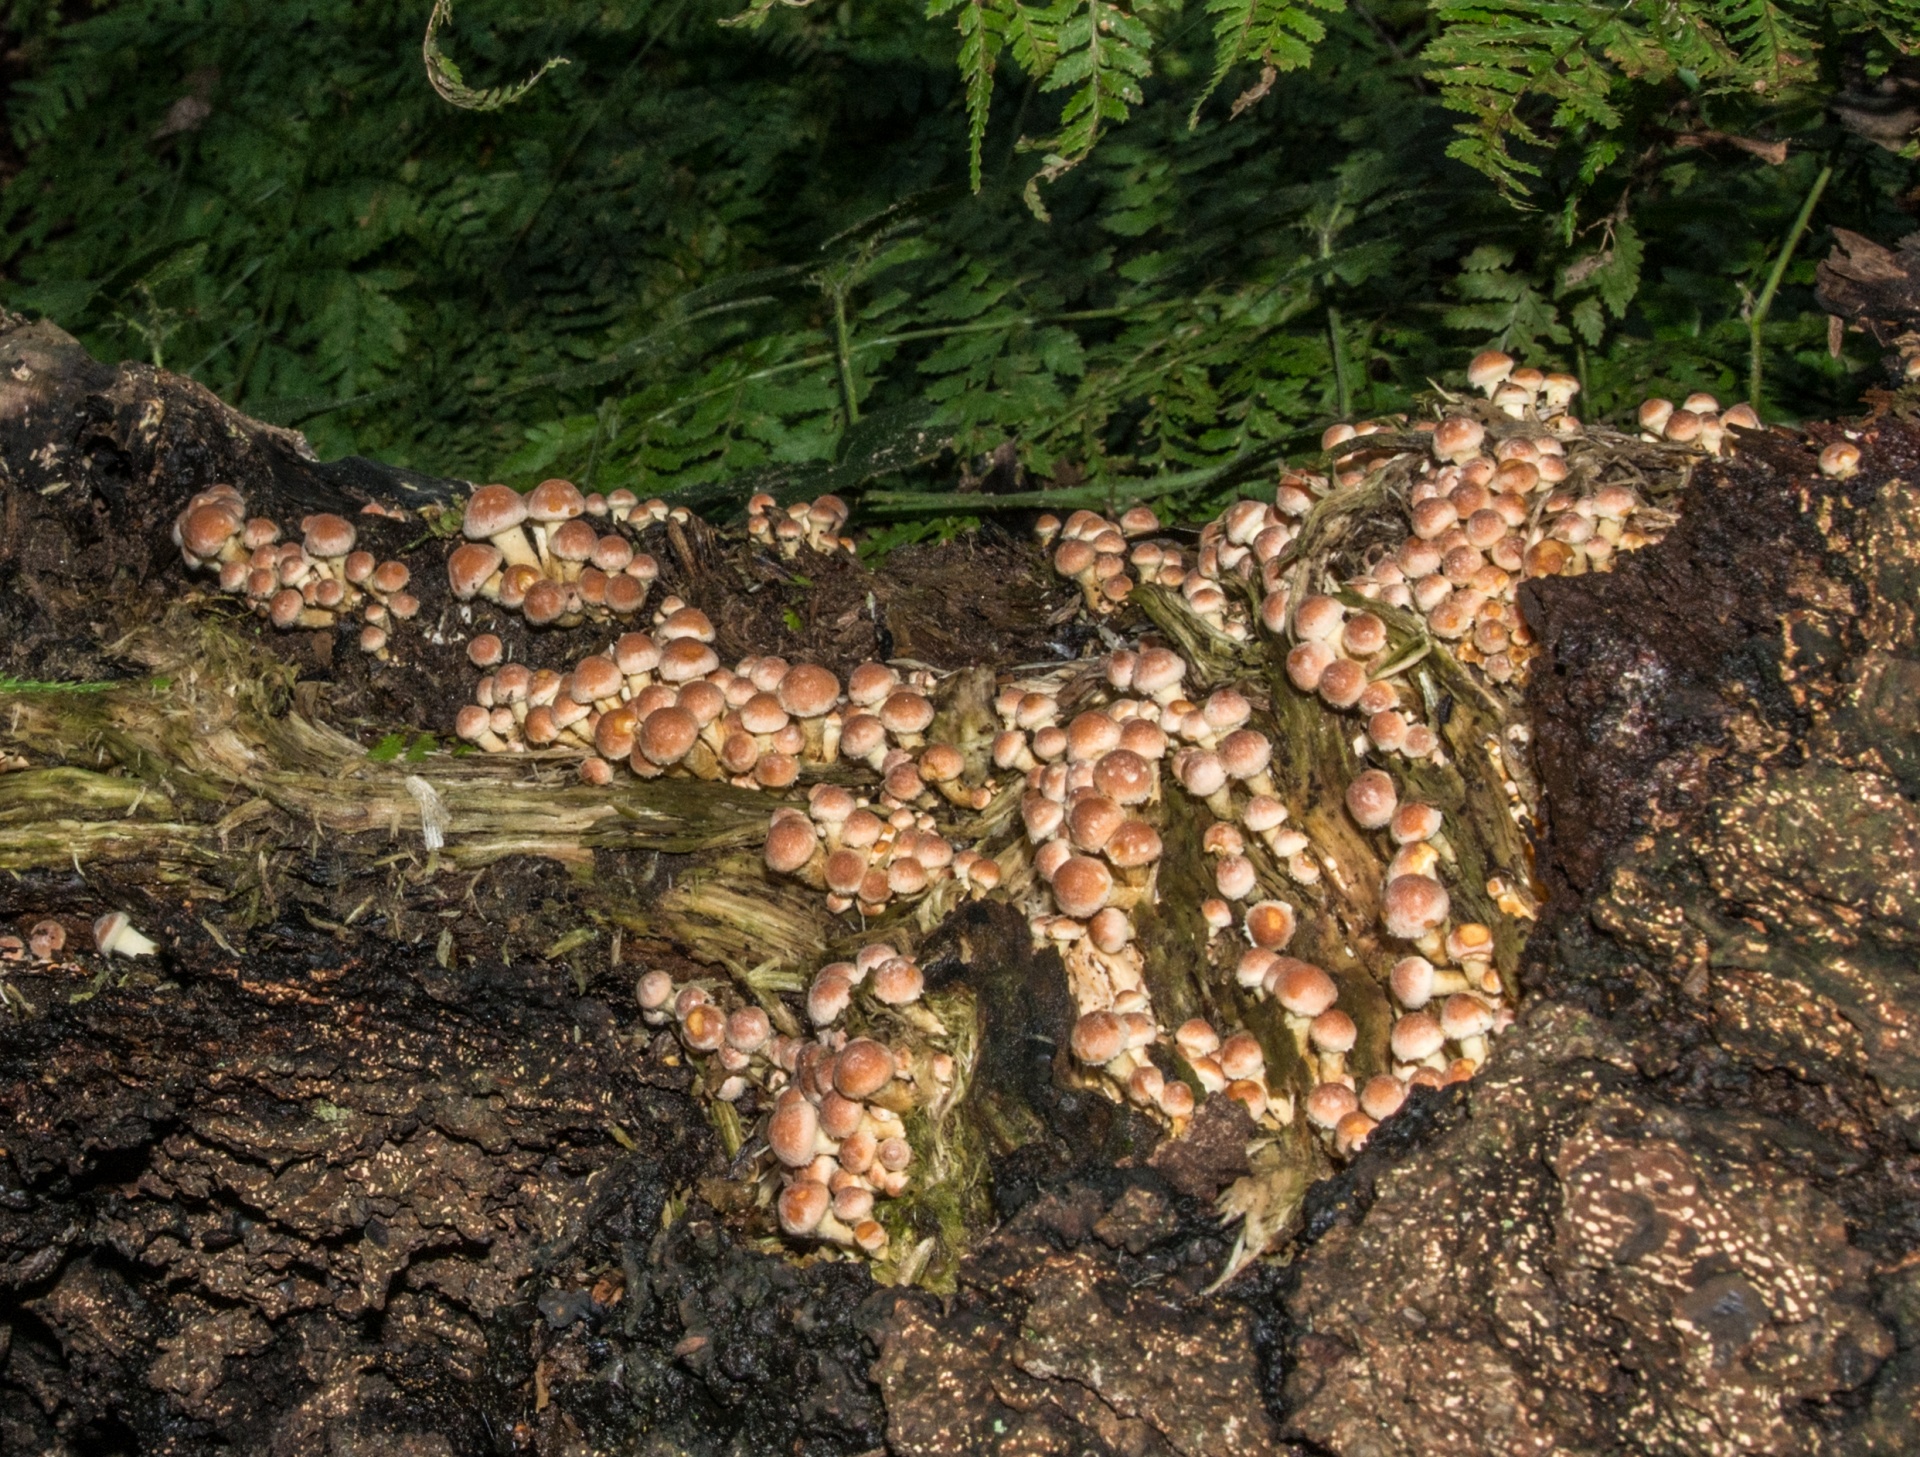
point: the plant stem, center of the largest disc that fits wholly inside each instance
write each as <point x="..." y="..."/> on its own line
<point x="1758" y="318"/>
<point x="1342" y="392"/>
<point x="844" y="345"/>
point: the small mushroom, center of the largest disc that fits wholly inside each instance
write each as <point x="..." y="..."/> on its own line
<point x="114" y="935"/>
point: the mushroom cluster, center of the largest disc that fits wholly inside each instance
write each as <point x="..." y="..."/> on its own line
<point x="315" y="582"/>
<point x="546" y="555"/>
<point x="814" y="524"/>
<point x="1245" y="543"/>
<point x="866" y="855"/>
<point x="834" y="1105"/>
<point x="1697" y="421"/>
<point x="44" y="942"/>
<point x="1493" y="499"/>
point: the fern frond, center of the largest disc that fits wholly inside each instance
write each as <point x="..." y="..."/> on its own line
<point x="1103" y="52"/>
<point x="1279" y="34"/>
<point x="445" y="78"/>
<point x="983" y="31"/>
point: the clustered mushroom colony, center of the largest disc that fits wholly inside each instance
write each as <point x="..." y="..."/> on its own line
<point x="318" y="581"/>
<point x="1063" y="803"/>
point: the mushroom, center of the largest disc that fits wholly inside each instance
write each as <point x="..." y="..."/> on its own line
<point x="47" y="940"/>
<point x="114" y="935"/>
<point x="1372" y="799"/>
<point x="494" y="515"/>
<point x="1332" y="1034"/>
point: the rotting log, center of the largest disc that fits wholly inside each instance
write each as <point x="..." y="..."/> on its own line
<point x="395" y="1168"/>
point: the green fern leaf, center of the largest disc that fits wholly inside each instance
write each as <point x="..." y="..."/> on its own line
<point x="1279" y="34"/>
<point x="1103" y="53"/>
<point x="983" y="31"/>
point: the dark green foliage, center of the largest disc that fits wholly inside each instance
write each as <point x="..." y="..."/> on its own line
<point x="709" y="259"/>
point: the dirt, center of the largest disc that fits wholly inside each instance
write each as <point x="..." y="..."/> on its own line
<point x="377" y="1157"/>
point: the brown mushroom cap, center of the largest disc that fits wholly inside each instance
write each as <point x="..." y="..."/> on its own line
<point x="555" y="500"/>
<point x="1263" y="813"/>
<point x="862" y="1069"/>
<point x="1342" y="683"/>
<point x="1351" y="1132"/>
<point x="905" y="712"/>
<point x="809" y="690"/>
<point x="1318" y="619"/>
<point x="1414" y="821"/>
<point x="1142" y="737"/>
<point x="1201" y="773"/>
<point x="47" y="940"/>
<point x="846" y="870"/>
<point x="1411" y="982"/>
<point x="1123" y="776"/>
<point x="1413" y="905"/>
<point x="1176" y="1100"/>
<point x="1099" y="1037"/>
<point x="828" y="997"/>
<point x="1081" y="886"/>
<point x="1073" y="558"/>
<point x="285" y="607"/>
<point x="668" y="734"/>
<point x="1270" y="924"/>
<point x="791" y="841"/>
<point x="1463" y="1016"/>
<point x="894" y="1154"/>
<point x="492" y="510"/>
<point x="762" y="714"/>
<point x="861" y="735"/>
<point x="1110" y="930"/>
<point x="207" y="529"/>
<point x="704" y="1027"/>
<point x="1302" y="988"/>
<point x="941" y="764"/>
<point x="1226" y="709"/>
<point x="749" y="1029"/>
<point x="1196" y="1038"/>
<point x="1245" y="753"/>
<point x="870" y="683"/>
<point x="897" y="983"/>
<point x="1371" y="799"/>
<point x="683" y="659"/>
<point x="840" y="1117"/>
<point x="1458" y="438"/>
<point x="1365" y="634"/>
<point x="793" y="1132"/>
<point x="1416" y="1037"/>
<point x="327" y="535"/>
<point x="702" y="699"/>
<point x="1240" y="1057"/>
<point x="545" y="602"/>
<point x="803" y="1206"/>
<point x="1092" y="821"/>
<point x="594" y="678"/>
<point x="1328" y="1103"/>
<point x="1382" y="1097"/>
<point x="1333" y="1031"/>
<point x="1488" y="369"/>
<point x="1134" y="844"/>
<point x="1158" y="671"/>
<point x="1090" y="735"/>
<point x="486" y="650"/>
